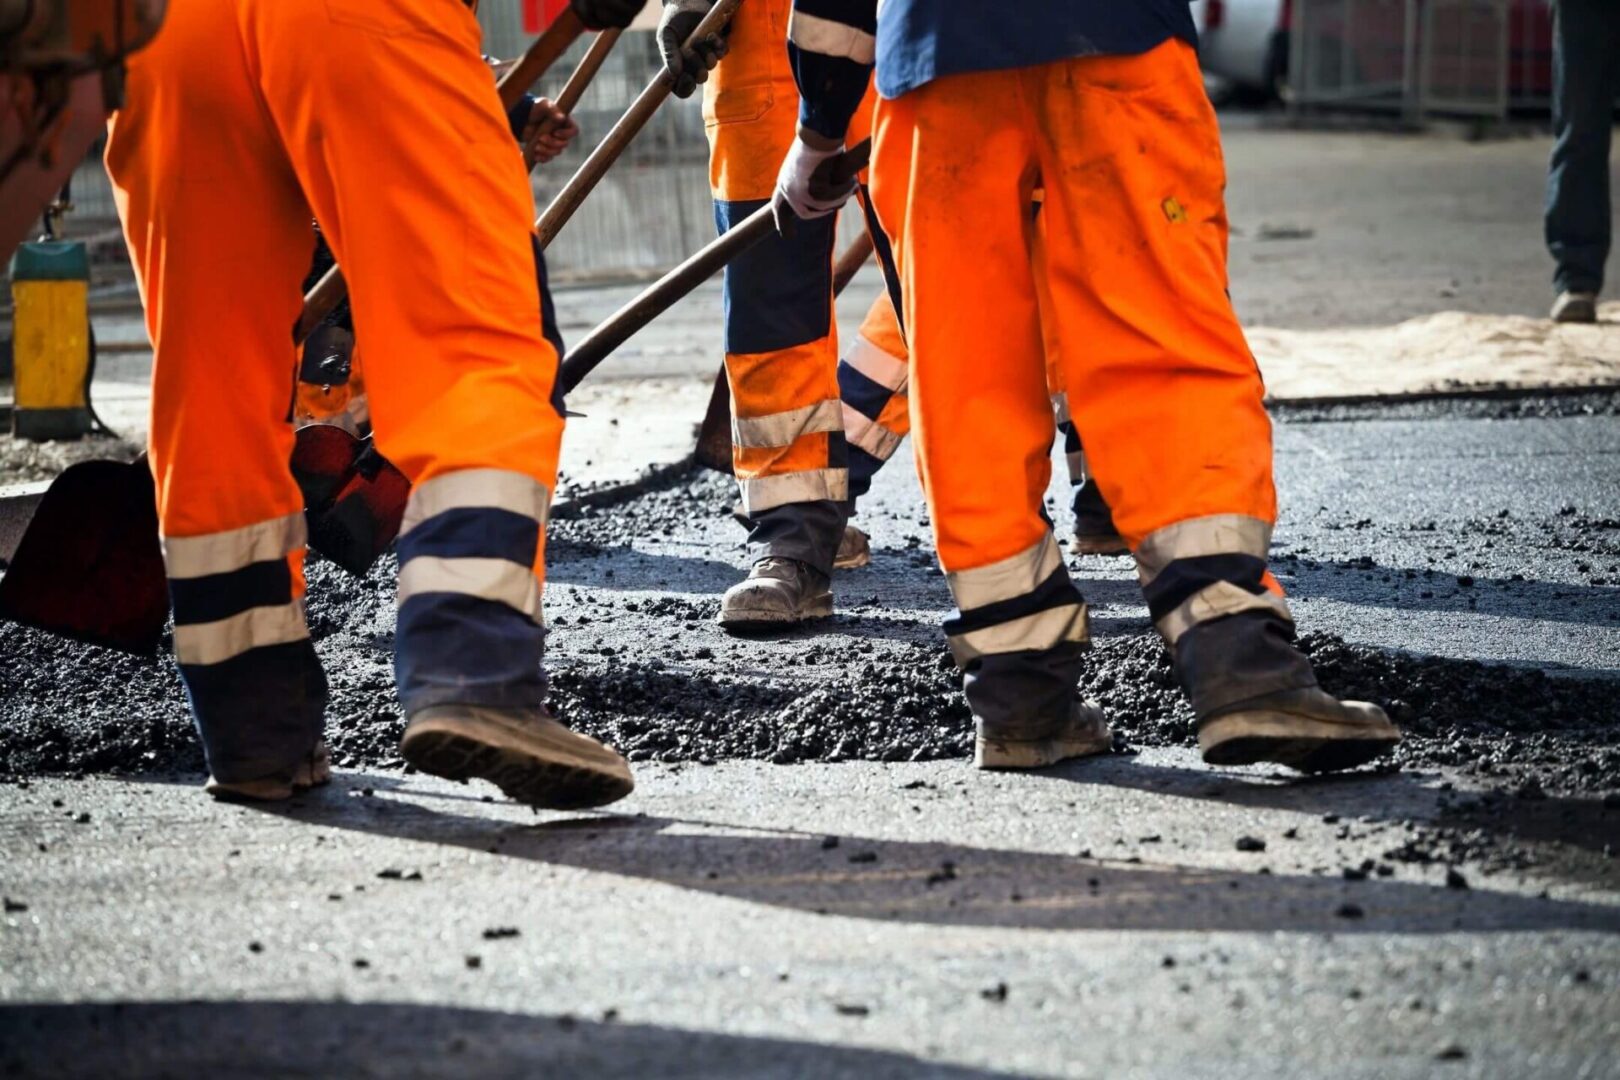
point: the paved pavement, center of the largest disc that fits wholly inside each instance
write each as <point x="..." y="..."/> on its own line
<point x="1098" y="920"/>
<point x="865" y="919"/>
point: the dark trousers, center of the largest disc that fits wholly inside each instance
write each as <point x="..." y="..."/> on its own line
<point x="1586" y="80"/>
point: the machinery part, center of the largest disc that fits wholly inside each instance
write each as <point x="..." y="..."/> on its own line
<point x="61" y="72"/>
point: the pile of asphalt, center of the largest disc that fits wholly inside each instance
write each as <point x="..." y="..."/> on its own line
<point x="636" y="660"/>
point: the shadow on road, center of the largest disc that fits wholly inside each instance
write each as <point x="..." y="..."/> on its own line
<point x="340" y="1038"/>
<point x="1369" y="584"/>
<point x="953" y="884"/>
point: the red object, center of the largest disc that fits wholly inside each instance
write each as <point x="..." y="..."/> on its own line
<point x="539" y="14"/>
<point x="1214" y="14"/>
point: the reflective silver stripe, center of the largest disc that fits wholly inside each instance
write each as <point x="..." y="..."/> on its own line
<point x="862" y="431"/>
<point x="884" y="368"/>
<point x="222" y="552"/>
<point x="1060" y="405"/>
<point x="1018" y="575"/>
<point x="1041" y="630"/>
<point x="831" y="38"/>
<point x="488" y="579"/>
<point x="1218" y="534"/>
<point x="215" y="642"/>
<point x="768" y="492"/>
<point x="781" y="429"/>
<point x="494" y="489"/>
<point x="1077" y="467"/>
<point x="1213" y="602"/>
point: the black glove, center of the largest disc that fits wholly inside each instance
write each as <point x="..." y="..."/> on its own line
<point x="688" y="67"/>
<point x="607" y="14"/>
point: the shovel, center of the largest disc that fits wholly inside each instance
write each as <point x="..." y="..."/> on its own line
<point x="714" y="436"/>
<point x="662" y="294"/>
<point x="594" y="167"/>
<point x="89" y="565"/>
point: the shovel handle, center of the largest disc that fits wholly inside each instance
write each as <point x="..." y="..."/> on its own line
<point x="589" y="65"/>
<point x="594" y="167"/>
<point x="662" y="294"/>
<point x="850" y="262"/>
<point x="537" y="59"/>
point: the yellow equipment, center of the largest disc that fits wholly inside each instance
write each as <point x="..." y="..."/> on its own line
<point x="50" y="282"/>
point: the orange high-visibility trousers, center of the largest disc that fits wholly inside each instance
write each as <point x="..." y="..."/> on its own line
<point x="378" y="118"/>
<point x="1160" y="381"/>
<point x="789" y="449"/>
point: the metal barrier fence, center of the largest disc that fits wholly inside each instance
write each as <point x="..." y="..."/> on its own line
<point x="650" y="211"/>
<point x="1416" y="58"/>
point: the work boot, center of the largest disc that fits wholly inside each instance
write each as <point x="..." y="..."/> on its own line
<point x="1306" y="729"/>
<point x="311" y="771"/>
<point x="1255" y="696"/>
<point x="524" y="752"/>
<point x="1014" y="746"/>
<point x="854" y="550"/>
<point x="1094" y="531"/>
<point x="1575" y="307"/>
<point x="777" y="592"/>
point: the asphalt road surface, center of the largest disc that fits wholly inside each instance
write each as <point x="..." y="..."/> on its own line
<point x="810" y="880"/>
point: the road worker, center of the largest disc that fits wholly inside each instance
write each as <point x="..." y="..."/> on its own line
<point x="872" y="378"/>
<point x="1102" y="105"/>
<point x="331" y="377"/>
<point x="245" y="119"/>
<point x="789" y="443"/>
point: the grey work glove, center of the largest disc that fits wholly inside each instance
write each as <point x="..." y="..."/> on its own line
<point x="607" y="14"/>
<point x="688" y="67"/>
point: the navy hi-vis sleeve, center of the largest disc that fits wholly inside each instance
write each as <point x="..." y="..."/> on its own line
<point x="832" y="45"/>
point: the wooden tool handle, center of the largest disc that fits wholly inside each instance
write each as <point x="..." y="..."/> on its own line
<point x="663" y="293"/>
<point x="594" y="167"/>
<point x="850" y="262"/>
<point x="589" y="65"/>
<point x="538" y="57"/>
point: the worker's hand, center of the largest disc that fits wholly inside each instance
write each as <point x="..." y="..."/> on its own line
<point x="688" y="66"/>
<point x="607" y="14"/>
<point x="808" y="184"/>
<point x="548" y="132"/>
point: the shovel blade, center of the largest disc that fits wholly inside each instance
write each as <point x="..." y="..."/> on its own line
<point x="354" y="497"/>
<point x="364" y="516"/>
<point x="89" y="565"/>
<point x="714" y="437"/>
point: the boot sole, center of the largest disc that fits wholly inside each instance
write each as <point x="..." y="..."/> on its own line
<point x="535" y="768"/>
<point x="819" y="608"/>
<point x="1035" y="753"/>
<point x="313" y="773"/>
<point x="1311" y="746"/>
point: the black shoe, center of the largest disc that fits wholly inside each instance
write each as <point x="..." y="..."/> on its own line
<point x="1094" y="531"/>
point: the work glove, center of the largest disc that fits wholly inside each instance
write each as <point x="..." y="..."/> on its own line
<point x="808" y="186"/>
<point x="688" y="67"/>
<point x="606" y="14"/>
